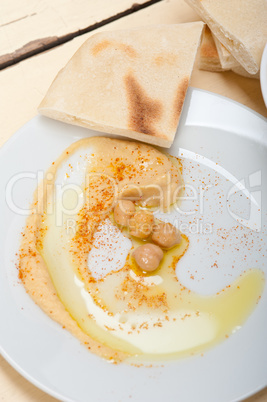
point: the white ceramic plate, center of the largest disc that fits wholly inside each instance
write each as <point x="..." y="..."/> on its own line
<point x="263" y="75"/>
<point x="220" y="138"/>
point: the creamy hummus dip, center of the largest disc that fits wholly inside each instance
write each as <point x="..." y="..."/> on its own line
<point x="77" y="264"/>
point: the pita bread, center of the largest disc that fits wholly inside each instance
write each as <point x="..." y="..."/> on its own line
<point x="208" y="57"/>
<point x="240" y="26"/>
<point x="131" y="83"/>
<point x="241" y="71"/>
<point x="227" y="61"/>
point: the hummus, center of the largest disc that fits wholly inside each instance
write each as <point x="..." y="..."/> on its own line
<point x="123" y="311"/>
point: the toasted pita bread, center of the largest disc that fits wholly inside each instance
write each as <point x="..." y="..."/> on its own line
<point x="208" y="57"/>
<point x="240" y="26"/>
<point x="131" y="83"/>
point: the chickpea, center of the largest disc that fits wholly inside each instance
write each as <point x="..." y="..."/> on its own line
<point x="141" y="224"/>
<point x="123" y="212"/>
<point x="166" y="235"/>
<point x="148" y="257"/>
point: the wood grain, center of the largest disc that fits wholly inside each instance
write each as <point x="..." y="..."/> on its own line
<point x="59" y="26"/>
<point x="24" y="85"/>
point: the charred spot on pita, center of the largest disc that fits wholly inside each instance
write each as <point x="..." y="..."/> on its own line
<point x="143" y="111"/>
<point x="104" y="44"/>
<point x="100" y="46"/>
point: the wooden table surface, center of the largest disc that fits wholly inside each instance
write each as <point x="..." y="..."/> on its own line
<point x="37" y="39"/>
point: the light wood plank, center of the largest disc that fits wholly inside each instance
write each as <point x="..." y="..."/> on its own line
<point x="24" y="85"/>
<point x="14" y="388"/>
<point x="30" y="26"/>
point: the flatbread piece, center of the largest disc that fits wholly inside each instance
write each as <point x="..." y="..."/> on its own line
<point x="241" y="26"/>
<point x="209" y="60"/>
<point x="131" y="83"/>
